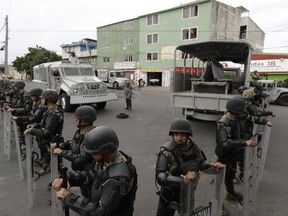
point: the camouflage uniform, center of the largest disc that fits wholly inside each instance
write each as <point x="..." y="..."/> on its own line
<point x="175" y="163"/>
<point x="104" y="186"/>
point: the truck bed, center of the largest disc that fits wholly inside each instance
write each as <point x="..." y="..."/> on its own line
<point x="200" y="101"/>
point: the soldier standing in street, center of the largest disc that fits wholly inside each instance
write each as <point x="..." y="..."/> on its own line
<point x="74" y="150"/>
<point x="113" y="178"/>
<point x="229" y="143"/>
<point x="179" y="160"/>
<point x="50" y="126"/>
<point x="35" y="117"/>
<point x="128" y="96"/>
<point x="21" y="105"/>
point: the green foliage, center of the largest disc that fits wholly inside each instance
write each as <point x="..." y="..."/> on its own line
<point x="2" y="69"/>
<point x="35" y="56"/>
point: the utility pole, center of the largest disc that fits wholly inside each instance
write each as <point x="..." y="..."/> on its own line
<point x="6" y="46"/>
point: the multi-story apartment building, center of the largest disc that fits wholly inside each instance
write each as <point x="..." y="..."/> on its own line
<point x="144" y="46"/>
<point x="85" y="50"/>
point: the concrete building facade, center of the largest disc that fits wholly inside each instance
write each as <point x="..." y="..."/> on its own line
<point x="144" y="46"/>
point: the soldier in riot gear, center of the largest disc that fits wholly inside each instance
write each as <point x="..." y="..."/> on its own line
<point x="229" y="143"/>
<point x="113" y="178"/>
<point x="36" y="115"/>
<point x="50" y="125"/>
<point x="21" y="105"/>
<point x="74" y="150"/>
<point x="179" y="160"/>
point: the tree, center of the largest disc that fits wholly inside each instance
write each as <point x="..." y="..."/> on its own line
<point x="35" y="56"/>
<point x="2" y="69"/>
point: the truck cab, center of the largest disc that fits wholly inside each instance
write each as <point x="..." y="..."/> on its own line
<point x="76" y="84"/>
<point x="113" y="78"/>
<point x="201" y="84"/>
<point x="276" y="93"/>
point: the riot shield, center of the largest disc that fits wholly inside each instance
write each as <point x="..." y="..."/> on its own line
<point x="210" y="204"/>
<point x="32" y="176"/>
<point x="254" y="163"/>
<point x="7" y="134"/>
<point x="18" y="149"/>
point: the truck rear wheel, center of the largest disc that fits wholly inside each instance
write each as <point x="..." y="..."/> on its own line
<point x="101" y="105"/>
<point x="65" y="102"/>
<point x="283" y="100"/>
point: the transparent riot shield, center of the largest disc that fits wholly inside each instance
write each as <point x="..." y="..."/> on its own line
<point x="254" y="163"/>
<point x="210" y="205"/>
<point x="7" y="134"/>
<point x="57" y="207"/>
<point x="18" y="150"/>
<point x="31" y="175"/>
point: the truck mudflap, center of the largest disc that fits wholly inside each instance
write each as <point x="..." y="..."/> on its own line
<point x="93" y="98"/>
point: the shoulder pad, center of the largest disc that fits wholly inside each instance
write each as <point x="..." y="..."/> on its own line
<point x="26" y="94"/>
<point x="119" y="170"/>
<point x="224" y="120"/>
<point x="169" y="146"/>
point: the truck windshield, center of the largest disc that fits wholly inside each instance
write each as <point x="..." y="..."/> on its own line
<point x="68" y="71"/>
<point x="75" y="71"/>
<point x="87" y="72"/>
<point x="120" y="74"/>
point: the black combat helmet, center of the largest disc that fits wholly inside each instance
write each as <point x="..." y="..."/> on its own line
<point x="50" y="95"/>
<point x="180" y="126"/>
<point x="18" y="84"/>
<point x="86" y="113"/>
<point x="258" y="87"/>
<point x="241" y="89"/>
<point x="36" y="92"/>
<point x="235" y="105"/>
<point x="102" y="139"/>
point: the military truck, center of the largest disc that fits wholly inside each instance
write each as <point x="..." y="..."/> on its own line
<point x="113" y="78"/>
<point x="75" y="82"/>
<point x="201" y="85"/>
<point x="277" y="94"/>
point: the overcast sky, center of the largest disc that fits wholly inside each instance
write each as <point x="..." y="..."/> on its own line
<point x="50" y="23"/>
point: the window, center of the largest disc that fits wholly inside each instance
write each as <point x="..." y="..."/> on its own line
<point x="128" y="58"/>
<point x="188" y="34"/>
<point x="106" y="59"/>
<point x="106" y="44"/>
<point x="128" y="41"/>
<point x="189" y="12"/>
<point x="152" y="19"/>
<point x="152" y="56"/>
<point x="152" y="39"/>
<point x="127" y="25"/>
<point x="243" y="31"/>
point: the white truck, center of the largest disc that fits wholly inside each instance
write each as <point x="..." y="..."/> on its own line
<point x="277" y="94"/>
<point x="113" y="78"/>
<point x="201" y="86"/>
<point x="76" y="84"/>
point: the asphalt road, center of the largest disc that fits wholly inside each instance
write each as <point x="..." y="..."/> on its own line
<point x="140" y="136"/>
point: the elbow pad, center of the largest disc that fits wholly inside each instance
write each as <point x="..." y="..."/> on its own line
<point x="81" y="207"/>
<point x="76" y="178"/>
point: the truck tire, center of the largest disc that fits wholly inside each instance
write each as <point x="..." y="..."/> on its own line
<point x="101" y="105"/>
<point x="65" y="102"/>
<point x="283" y="100"/>
<point x="122" y="115"/>
<point x="115" y="85"/>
